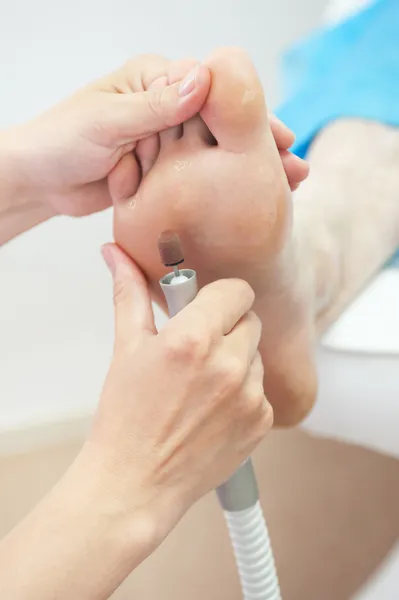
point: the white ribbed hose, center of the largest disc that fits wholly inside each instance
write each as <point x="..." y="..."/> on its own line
<point x="253" y="553"/>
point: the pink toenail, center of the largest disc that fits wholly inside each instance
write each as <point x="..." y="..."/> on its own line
<point x="188" y="83"/>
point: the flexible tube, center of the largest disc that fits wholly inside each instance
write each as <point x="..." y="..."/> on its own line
<point x="238" y="496"/>
<point x="253" y="553"/>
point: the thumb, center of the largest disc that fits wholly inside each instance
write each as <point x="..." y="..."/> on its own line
<point x="136" y="116"/>
<point x="134" y="317"/>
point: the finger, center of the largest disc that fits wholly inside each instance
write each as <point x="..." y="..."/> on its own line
<point x="244" y="338"/>
<point x="144" y="70"/>
<point x="132" y="117"/>
<point x="134" y="317"/>
<point x="252" y="388"/>
<point x="147" y="152"/>
<point x="217" y="308"/>
<point x="256" y="374"/>
<point x="252" y="393"/>
<point x="296" y="169"/>
<point x="178" y="69"/>
<point x="174" y="132"/>
<point x="124" y="179"/>
<point x="283" y="135"/>
<point x="136" y="75"/>
<point x="88" y="199"/>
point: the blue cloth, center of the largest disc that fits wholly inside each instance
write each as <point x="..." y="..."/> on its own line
<point x="394" y="262"/>
<point x="349" y="70"/>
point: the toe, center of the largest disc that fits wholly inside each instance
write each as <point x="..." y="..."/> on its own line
<point x="295" y="168"/>
<point x="169" y="136"/>
<point x="196" y="132"/>
<point x="124" y="179"/>
<point x="147" y="151"/>
<point x="283" y="136"/>
<point x="235" y="110"/>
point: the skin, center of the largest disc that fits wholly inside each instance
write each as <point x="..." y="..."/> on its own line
<point x="125" y="491"/>
<point x="219" y="181"/>
<point x="136" y="476"/>
<point x="352" y="235"/>
<point x="58" y="163"/>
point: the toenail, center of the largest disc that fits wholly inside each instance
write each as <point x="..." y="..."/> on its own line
<point x="188" y="83"/>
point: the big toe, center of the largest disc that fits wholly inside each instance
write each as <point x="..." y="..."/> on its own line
<point x="235" y="110"/>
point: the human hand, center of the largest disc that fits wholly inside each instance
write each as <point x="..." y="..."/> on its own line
<point x="182" y="409"/>
<point x="65" y="155"/>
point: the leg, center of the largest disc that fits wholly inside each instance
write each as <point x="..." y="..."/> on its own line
<point x="353" y="213"/>
<point x="220" y="183"/>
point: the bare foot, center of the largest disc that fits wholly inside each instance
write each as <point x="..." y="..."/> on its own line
<point x="220" y="183"/>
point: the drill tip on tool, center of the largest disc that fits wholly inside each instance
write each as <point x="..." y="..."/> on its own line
<point x="170" y="249"/>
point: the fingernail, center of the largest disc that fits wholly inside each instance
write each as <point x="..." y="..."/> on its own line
<point x="108" y="258"/>
<point x="188" y="83"/>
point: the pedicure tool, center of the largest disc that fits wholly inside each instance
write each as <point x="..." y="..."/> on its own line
<point x="239" y="496"/>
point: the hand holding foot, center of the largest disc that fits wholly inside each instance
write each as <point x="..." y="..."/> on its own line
<point x="64" y="156"/>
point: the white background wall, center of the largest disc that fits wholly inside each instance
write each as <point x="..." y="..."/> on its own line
<point x="48" y="47"/>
